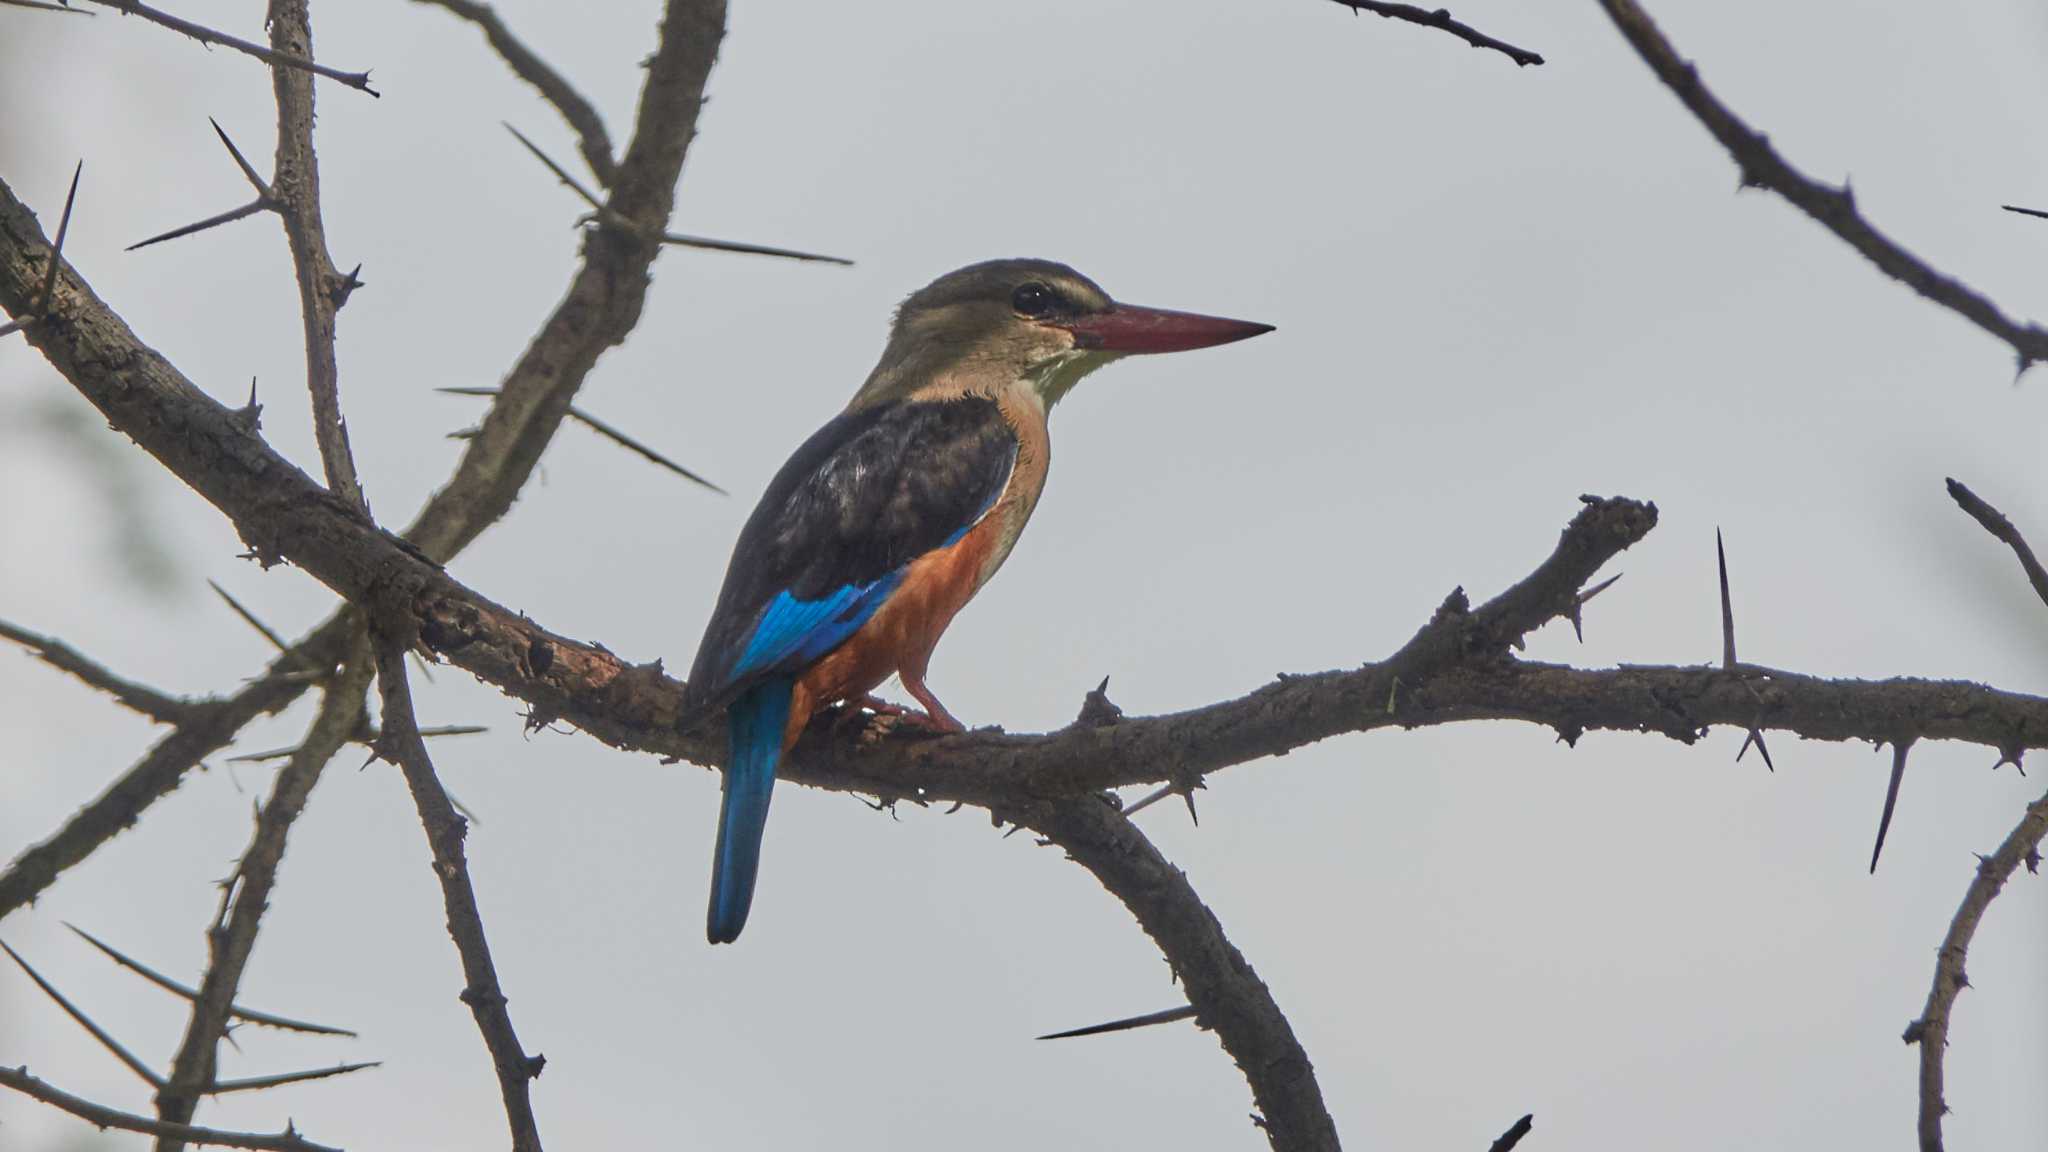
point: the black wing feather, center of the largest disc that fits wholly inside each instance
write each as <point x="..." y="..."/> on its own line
<point x="868" y="493"/>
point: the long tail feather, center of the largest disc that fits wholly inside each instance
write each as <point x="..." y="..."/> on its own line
<point x="755" y="723"/>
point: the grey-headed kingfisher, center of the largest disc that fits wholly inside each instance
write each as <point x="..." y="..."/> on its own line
<point x="890" y="517"/>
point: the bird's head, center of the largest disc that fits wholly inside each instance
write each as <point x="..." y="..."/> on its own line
<point x="989" y="324"/>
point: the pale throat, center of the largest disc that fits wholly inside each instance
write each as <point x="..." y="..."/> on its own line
<point x="1055" y="376"/>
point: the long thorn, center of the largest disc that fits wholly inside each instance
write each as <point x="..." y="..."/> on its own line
<point x="1168" y="1016"/>
<point x="1891" y="796"/>
<point x="261" y="185"/>
<point x="134" y="1064"/>
<point x="687" y="241"/>
<point x="181" y="990"/>
<point x="227" y="217"/>
<point x="49" y="295"/>
<point x="2025" y="211"/>
<point x="610" y="433"/>
<point x="259" y="1083"/>
<point x="249" y="617"/>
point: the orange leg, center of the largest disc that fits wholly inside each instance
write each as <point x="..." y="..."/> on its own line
<point x="936" y="713"/>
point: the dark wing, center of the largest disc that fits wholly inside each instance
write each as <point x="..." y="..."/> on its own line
<point x="863" y="497"/>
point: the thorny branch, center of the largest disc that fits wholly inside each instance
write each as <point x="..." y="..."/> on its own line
<point x="246" y="896"/>
<point x="103" y="1117"/>
<point x="1227" y="995"/>
<point x="591" y="138"/>
<point x="1833" y="208"/>
<point x="274" y="56"/>
<point x="1441" y="18"/>
<point x="158" y="706"/>
<point x="402" y="745"/>
<point x="295" y="187"/>
<point x="1995" y="522"/>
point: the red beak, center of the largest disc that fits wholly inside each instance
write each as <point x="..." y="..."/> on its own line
<point x="1130" y="329"/>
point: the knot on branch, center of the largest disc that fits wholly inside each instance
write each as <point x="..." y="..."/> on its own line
<point x="1096" y="709"/>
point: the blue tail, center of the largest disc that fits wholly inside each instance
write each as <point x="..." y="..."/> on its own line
<point x="754" y="723"/>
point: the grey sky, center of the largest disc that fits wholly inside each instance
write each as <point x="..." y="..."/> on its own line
<point x="1495" y="289"/>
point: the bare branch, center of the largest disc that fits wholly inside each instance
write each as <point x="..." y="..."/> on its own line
<point x="1441" y="18"/>
<point x="1833" y="208"/>
<point x="445" y="829"/>
<point x="1227" y="995"/>
<point x="101" y="1116"/>
<point x="594" y="142"/>
<point x="605" y="430"/>
<point x="246" y="897"/>
<point x="186" y="992"/>
<point x="212" y="725"/>
<point x="1995" y="523"/>
<point x="360" y="81"/>
<point x="161" y="707"/>
<point x="1930" y="1031"/>
<point x="1514" y="1134"/>
<point x="295" y="184"/>
<point x="134" y="1062"/>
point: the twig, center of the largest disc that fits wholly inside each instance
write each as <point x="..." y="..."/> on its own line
<point x="1441" y="18"/>
<point x="134" y="1062"/>
<point x="212" y="725"/>
<point x="603" y="429"/>
<point x="235" y="1011"/>
<point x="605" y="213"/>
<point x="39" y="5"/>
<point x="1930" y="1031"/>
<point x="262" y="1083"/>
<point x="295" y="184"/>
<point x="103" y="1117"/>
<point x="401" y="744"/>
<point x="366" y="734"/>
<point x="158" y="706"/>
<point x="1514" y="1134"/>
<point x="592" y="140"/>
<point x="246" y="896"/>
<point x="1996" y="523"/>
<point x="1226" y="994"/>
<point x="360" y="81"/>
<point x="1833" y="208"/>
<point x="1166" y="1016"/>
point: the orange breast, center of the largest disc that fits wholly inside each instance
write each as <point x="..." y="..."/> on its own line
<point x="901" y="634"/>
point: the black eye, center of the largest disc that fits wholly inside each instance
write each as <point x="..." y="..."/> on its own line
<point x="1033" y="299"/>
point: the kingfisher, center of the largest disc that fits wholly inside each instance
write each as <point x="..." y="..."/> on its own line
<point x="886" y="521"/>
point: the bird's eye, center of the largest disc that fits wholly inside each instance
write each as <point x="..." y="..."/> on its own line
<point x="1033" y="299"/>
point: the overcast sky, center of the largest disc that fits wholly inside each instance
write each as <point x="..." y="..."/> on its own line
<point x="1495" y="288"/>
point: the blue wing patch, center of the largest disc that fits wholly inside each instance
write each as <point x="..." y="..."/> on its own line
<point x="797" y="632"/>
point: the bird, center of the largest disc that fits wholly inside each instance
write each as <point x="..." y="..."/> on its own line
<point x="888" y="519"/>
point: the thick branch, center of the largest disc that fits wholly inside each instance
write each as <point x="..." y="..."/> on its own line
<point x="100" y="1116"/>
<point x="1227" y="995"/>
<point x="591" y="138"/>
<point x="1833" y="208"/>
<point x="233" y="935"/>
<point x="295" y="187"/>
<point x="1930" y="1031"/>
<point x="1441" y="18"/>
<point x="402" y="744"/>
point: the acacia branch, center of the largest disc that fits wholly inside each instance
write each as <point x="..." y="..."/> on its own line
<point x="601" y="306"/>
<point x="295" y="187"/>
<point x="401" y="744"/>
<point x="102" y="1117"/>
<point x="210" y="725"/>
<point x="161" y="707"/>
<point x="1227" y="995"/>
<point x="246" y="897"/>
<point x="360" y="81"/>
<point x="1833" y="208"/>
<point x="1441" y="18"/>
<point x="1930" y="1031"/>
<point x="1995" y="522"/>
<point x="591" y="138"/>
